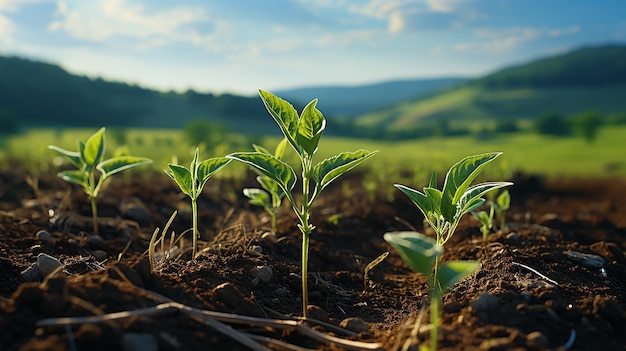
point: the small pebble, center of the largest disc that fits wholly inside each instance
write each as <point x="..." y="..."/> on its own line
<point x="99" y="255"/>
<point x="316" y="312"/>
<point x="264" y="273"/>
<point x="47" y="264"/>
<point x="254" y="282"/>
<point x="587" y="260"/>
<point x="135" y="209"/>
<point x="139" y="342"/>
<point x="44" y="236"/>
<point x="355" y="324"/>
<point x="256" y="248"/>
<point x="484" y="302"/>
<point x="31" y="274"/>
<point x="269" y="236"/>
<point x="539" y="339"/>
<point x="282" y="291"/>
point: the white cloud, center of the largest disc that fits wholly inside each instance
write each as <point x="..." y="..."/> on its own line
<point x="104" y="19"/>
<point x="367" y="36"/>
<point x="564" y="31"/>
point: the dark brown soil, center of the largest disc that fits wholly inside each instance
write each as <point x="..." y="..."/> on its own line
<point x="505" y="306"/>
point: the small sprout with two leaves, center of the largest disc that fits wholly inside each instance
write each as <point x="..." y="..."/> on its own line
<point x="303" y="133"/>
<point x="191" y="181"/>
<point x="497" y="208"/>
<point x="443" y="210"/>
<point x="90" y="158"/>
<point x="423" y="254"/>
<point x="271" y="195"/>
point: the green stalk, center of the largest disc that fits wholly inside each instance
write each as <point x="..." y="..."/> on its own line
<point x="306" y="230"/>
<point x="194" y="215"/>
<point x="435" y="304"/>
<point x="94" y="214"/>
<point x="93" y="193"/>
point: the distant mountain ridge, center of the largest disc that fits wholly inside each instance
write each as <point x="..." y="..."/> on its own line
<point x="591" y="78"/>
<point x="351" y="101"/>
<point x="42" y="94"/>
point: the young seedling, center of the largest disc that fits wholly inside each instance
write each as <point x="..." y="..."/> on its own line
<point x="486" y="220"/>
<point x="191" y="181"/>
<point x="90" y="158"/>
<point x="271" y="195"/>
<point x="423" y="254"/>
<point x="443" y="210"/>
<point x="303" y="133"/>
<point x="502" y="204"/>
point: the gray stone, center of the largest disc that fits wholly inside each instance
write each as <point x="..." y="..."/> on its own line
<point x="44" y="236"/>
<point x="264" y="273"/>
<point x="47" y="264"/>
<point x="31" y="274"/>
<point x="484" y="302"/>
<point x="587" y="260"/>
<point x="355" y="324"/>
<point x="135" y="209"/>
<point x="139" y="342"/>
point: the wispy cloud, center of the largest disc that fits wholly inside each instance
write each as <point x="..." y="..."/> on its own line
<point x="101" y="20"/>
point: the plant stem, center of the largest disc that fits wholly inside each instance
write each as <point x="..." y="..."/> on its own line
<point x="194" y="216"/>
<point x="435" y="304"/>
<point x="306" y="230"/>
<point x="305" y="272"/>
<point x="94" y="214"/>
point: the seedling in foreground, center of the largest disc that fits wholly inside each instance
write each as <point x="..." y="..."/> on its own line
<point x="88" y="159"/>
<point x="443" y="210"/>
<point x="423" y="254"/>
<point x="271" y="195"/>
<point x="191" y="181"/>
<point x="302" y="133"/>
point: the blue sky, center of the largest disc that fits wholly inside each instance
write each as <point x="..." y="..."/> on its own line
<point x="239" y="46"/>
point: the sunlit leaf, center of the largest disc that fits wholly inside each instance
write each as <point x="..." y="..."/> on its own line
<point x="269" y="165"/>
<point x="459" y="178"/>
<point x="72" y="156"/>
<point x="257" y="197"/>
<point x="261" y="149"/>
<point x="504" y="200"/>
<point x="93" y="151"/>
<point x="416" y="249"/>
<point x="74" y="176"/>
<point x="284" y="114"/>
<point x="470" y="199"/>
<point x="182" y="177"/>
<point x="120" y="163"/>
<point x="423" y="202"/>
<point x="280" y="148"/>
<point x="207" y="168"/>
<point x="310" y="128"/>
<point x="331" y="168"/>
<point x="452" y="272"/>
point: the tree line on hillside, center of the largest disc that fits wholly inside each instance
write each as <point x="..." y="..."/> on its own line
<point x="585" y="124"/>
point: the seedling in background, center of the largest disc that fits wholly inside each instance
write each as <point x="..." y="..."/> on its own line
<point x="443" y="210"/>
<point x="90" y="158"/>
<point x="191" y="181"/>
<point x="302" y="133"/>
<point x="502" y="204"/>
<point x="271" y="195"/>
<point x="486" y="220"/>
<point x="497" y="207"/>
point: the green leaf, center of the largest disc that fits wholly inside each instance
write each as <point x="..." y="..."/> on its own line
<point x="453" y="271"/>
<point x="269" y="165"/>
<point x="280" y="149"/>
<point x="74" y="176"/>
<point x="207" y="168"/>
<point x="72" y="156"/>
<point x="310" y="128"/>
<point x="331" y="168"/>
<point x="504" y="200"/>
<point x="433" y="180"/>
<point x="120" y="163"/>
<point x="261" y="149"/>
<point x="471" y="199"/>
<point x="270" y="185"/>
<point x="193" y="170"/>
<point x="416" y="249"/>
<point x="93" y="150"/>
<point x="484" y="219"/>
<point x="257" y="197"/>
<point x="182" y="177"/>
<point x="285" y="116"/>
<point x="459" y="178"/>
<point x="423" y="202"/>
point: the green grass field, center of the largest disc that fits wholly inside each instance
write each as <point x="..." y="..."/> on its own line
<point x="531" y="153"/>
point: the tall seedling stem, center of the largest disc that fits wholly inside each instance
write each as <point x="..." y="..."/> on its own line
<point x="302" y="133"/>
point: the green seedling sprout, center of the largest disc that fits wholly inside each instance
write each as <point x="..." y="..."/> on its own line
<point x="486" y="220"/>
<point x="423" y="254"/>
<point x="502" y="204"/>
<point x="191" y="181"/>
<point x="443" y="210"/>
<point x="303" y="133"/>
<point x="90" y="158"/>
<point x="271" y="195"/>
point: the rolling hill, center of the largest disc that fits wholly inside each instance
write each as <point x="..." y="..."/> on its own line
<point x="592" y="78"/>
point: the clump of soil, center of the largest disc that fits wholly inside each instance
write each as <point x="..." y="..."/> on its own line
<point x="553" y="278"/>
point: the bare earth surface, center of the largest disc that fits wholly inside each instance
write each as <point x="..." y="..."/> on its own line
<point x="535" y="289"/>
